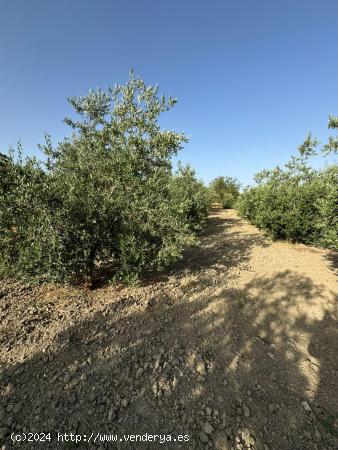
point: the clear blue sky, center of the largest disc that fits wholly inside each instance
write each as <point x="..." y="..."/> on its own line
<point x="252" y="76"/>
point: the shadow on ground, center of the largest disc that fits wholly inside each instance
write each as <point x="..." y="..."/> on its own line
<point x="332" y="257"/>
<point x="233" y="368"/>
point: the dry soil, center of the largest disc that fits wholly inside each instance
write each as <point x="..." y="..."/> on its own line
<point x="236" y="347"/>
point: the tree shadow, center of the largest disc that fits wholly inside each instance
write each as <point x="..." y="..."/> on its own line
<point x="221" y="246"/>
<point x="332" y="258"/>
<point x="230" y="367"/>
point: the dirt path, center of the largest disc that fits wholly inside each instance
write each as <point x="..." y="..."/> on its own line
<point x="237" y="348"/>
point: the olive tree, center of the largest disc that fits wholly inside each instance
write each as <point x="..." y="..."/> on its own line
<point x="225" y="190"/>
<point x="102" y="200"/>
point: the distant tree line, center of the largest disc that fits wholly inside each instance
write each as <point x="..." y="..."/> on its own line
<point x="224" y="191"/>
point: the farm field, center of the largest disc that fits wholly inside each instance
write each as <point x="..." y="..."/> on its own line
<point x="236" y="347"/>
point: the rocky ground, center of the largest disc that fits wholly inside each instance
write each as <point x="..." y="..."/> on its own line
<point x="237" y="347"/>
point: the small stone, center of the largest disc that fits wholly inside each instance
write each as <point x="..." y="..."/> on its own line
<point x="157" y="362"/>
<point x="220" y="439"/>
<point x="306" y="406"/>
<point x="203" y="437"/>
<point x="335" y="424"/>
<point x="246" y="411"/>
<point x="306" y="434"/>
<point x="318" y="434"/>
<point x="3" y="432"/>
<point x="207" y="428"/>
<point x="200" y="367"/>
<point x="66" y="378"/>
<point x="273" y="377"/>
<point x="270" y="355"/>
<point x="155" y="388"/>
<point x="125" y="402"/>
<point x="9" y="421"/>
<point x="271" y="407"/>
<point x="112" y="414"/>
<point x="238" y="399"/>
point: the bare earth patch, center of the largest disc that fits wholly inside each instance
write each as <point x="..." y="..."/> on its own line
<point x="237" y="347"/>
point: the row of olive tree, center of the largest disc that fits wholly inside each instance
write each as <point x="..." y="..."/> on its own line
<point x="224" y="191"/>
<point x="297" y="202"/>
<point x="104" y="200"/>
